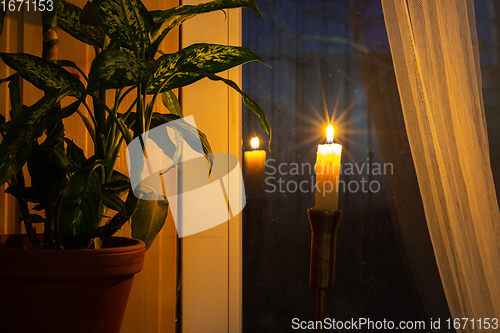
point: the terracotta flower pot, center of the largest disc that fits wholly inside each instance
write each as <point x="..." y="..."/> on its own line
<point x="66" y="291"/>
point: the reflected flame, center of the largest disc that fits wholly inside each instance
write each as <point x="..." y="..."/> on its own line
<point x="254" y="143"/>
<point x="329" y="134"/>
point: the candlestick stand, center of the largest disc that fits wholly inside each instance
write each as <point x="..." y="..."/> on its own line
<point x="324" y="225"/>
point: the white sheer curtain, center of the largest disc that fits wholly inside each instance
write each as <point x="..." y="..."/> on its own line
<point x="435" y="52"/>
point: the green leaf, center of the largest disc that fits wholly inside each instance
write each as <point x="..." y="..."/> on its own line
<point x="117" y="185"/>
<point x="66" y="63"/>
<point x="189" y="133"/>
<point x="69" y="63"/>
<point x="15" y="96"/>
<point x="113" y="69"/>
<point x="68" y="19"/>
<point x="42" y="73"/>
<point x="75" y="153"/>
<point x="48" y="145"/>
<point x="28" y="194"/>
<point x="79" y="23"/>
<point x="149" y="217"/>
<point x="90" y="27"/>
<point x="60" y="158"/>
<point x="173" y="17"/>
<point x="78" y="214"/>
<point x="55" y="124"/>
<point x="69" y="110"/>
<point x="4" y="128"/>
<point x="55" y="128"/>
<point x="179" y="142"/>
<point x="157" y="15"/>
<point x="111" y="200"/>
<point x="118" y="176"/>
<point x="28" y="125"/>
<point x="249" y="103"/>
<point x="8" y="79"/>
<point x="44" y="172"/>
<point x="126" y="22"/>
<point x="56" y="192"/>
<point x="171" y="103"/>
<point x="212" y="58"/>
<point x="33" y="218"/>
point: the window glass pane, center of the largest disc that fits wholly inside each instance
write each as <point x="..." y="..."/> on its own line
<point x="331" y="61"/>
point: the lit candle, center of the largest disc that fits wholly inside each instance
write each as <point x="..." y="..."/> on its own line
<point x="255" y="161"/>
<point x="327" y="173"/>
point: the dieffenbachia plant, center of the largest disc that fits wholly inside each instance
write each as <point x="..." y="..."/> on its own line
<point x="80" y="197"/>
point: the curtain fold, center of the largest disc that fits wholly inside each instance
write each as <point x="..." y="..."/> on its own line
<point x="436" y="59"/>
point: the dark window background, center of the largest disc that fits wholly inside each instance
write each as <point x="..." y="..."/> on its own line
<point x="331" y="58"/>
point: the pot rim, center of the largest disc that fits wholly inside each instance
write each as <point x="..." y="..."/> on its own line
<point x="119" y="244"/>
<point x="71" y="264"/>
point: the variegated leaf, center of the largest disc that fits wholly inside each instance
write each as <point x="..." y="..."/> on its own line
<point x="68" y="19"/>
<point x="249" y="103"/>
<point x="111" y="200"/>
<point x="188" y="133"/>
<point x="149" y="217"/>
<point x="156" y="15"/>
<point x="15" y="96"/>
<point x="113" y="69"/>
<point x="119" y="184"/>
<point x="42" y="73"/>
<point x="28" y="125"/>
<point x="75" y="153"/>
<point x="212" y="58"/>
<point x="171" y="18"/>
<point x="89" y="26"/>
<point x="126" y="22"/>
<point x="66" y="111"/>
<point x="78" y="214"/>
<point x="171" y="103"/>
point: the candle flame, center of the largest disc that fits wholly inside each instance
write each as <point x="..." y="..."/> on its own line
<point x="254" y="143"/>
<point x="329" y="134"/>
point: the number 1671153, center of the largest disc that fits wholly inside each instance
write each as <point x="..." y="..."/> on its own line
<point x="33" y="5"/>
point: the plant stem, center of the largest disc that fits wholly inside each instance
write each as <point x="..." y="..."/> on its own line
<point x="139" y="117"/>
<point x="121" y="126"/>
<point x="99" y="113"/>
<point x="126" y="93"/>
<point x="101" y="118"/>
<point x="87" y="124"/>
<point x="23" y="205"/>
<point x="50" y="52"/>
<point x="129" y="111"/>
<point x="113" y="155"/>
<point x="50" y="40"/>
<point x="115" y="223"/>
<point x="112" y="136"/>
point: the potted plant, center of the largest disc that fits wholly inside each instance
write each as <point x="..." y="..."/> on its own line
<point x="79" y="198"/>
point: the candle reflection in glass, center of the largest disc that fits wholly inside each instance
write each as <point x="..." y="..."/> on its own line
<point x="255" y="162"/>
